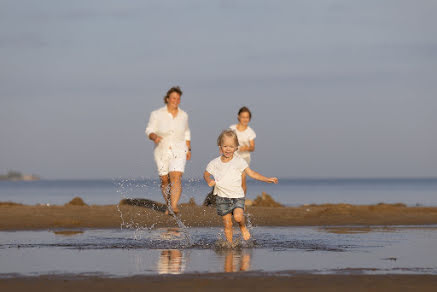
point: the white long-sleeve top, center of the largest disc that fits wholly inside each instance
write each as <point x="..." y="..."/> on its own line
<point x="173" y="130"/>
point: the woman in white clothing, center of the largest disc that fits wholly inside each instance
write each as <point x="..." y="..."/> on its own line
<point x="246" y="138"/>
<point x="168" y="129"/>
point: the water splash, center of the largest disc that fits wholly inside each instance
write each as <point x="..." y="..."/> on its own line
<point x="126" y="188"/>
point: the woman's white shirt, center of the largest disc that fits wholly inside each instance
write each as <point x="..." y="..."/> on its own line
<point x="227" y="176"/>
<point x="173" y="130"/>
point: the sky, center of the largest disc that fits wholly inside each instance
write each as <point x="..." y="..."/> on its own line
<point x="337" y="88"/>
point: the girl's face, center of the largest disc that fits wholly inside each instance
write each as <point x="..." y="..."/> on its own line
<point x="173" y="100"/>
<point x="228" y="147"/>
<point x="244" y="118"/>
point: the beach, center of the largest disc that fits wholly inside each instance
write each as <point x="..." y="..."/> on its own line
<point x="69" y="220"/>
<point x="33" y="217"/>
<point x="231" y="282"/>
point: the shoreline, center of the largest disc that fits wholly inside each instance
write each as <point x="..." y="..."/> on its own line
<point x="259" y="281"/>
<point x="34" y="217"/>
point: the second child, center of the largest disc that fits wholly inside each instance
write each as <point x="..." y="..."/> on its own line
<point x="227" y="171"/>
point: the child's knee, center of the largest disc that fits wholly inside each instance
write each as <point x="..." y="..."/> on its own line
<point x="238" y="218"/>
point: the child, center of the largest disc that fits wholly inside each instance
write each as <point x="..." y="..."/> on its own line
<point x="246" y="138"/>
<point x="227" y="170"/>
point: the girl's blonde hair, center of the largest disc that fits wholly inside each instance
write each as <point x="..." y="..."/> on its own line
<point x="228" y="133"/>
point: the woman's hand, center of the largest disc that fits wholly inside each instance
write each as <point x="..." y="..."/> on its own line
<point x="188" y="154"/>
<point x="157" y="139"/>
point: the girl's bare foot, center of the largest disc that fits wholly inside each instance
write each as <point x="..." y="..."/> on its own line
<point x="245" y="233"/>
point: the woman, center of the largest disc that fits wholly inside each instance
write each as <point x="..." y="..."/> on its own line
<point x="168" y="129"/>
<point x="246" y="138"/>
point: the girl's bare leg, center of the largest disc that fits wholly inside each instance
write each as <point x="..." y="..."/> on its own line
<point x="239" y="218"/>
<point x="227" y="222"/>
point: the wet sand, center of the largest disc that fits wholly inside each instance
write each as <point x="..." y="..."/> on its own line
<point x="26" y="217"/>
<point x="228" y="282"/>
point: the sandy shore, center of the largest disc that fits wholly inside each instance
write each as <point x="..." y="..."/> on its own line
<point x="25" y="217"/>
<point x="225" y="282"/>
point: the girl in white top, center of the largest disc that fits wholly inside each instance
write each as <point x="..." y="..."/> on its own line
<point x="168" y="129"/>
<point x="227" y="170"/>
<point x="246" y="137"/>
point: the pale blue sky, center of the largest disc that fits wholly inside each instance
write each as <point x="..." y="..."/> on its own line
<point x="337" y="88"/>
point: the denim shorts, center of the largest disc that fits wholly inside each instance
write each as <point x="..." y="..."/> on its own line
<point x="227" y="205"/>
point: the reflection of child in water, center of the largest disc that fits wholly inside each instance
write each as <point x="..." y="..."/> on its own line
<point x="227" y="171"/>
<point x="237" y="260"/>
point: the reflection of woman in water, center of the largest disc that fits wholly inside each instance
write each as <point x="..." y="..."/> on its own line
<point x="168" y="129"/>
<point x="246" y="138"/>
<point x="171" y="261"/>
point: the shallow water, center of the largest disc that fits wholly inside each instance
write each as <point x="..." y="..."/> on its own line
<point x="290" y="192"/>
<point x="399" y="249"/>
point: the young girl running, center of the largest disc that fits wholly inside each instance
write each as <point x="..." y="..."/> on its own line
<point x="246" y="138"/>
<point x="227" y="170"/>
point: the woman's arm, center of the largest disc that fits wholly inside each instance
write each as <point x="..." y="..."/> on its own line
<point x="189" y="149"/>
<point x="255" y="175"/>
<point x="208" y="179"/>
<point x="151" y="128"/>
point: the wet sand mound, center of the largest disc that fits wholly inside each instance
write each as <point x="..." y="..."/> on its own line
<point x="10" y="204"/>
<point x="265" y="200"/>
<point x="160" y="207"/>
<point x="77" y="201"/>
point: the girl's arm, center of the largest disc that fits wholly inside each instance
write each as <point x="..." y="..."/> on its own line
<point x="255" y="175"/>
<point x="208" y="179"/>
<point x="249" y="148"/>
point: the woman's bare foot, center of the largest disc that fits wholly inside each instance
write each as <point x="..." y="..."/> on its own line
<point x="175" y="209"/>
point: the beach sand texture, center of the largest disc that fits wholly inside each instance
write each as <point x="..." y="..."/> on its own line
<point x="226" y="282"/>
<point x="26" y="217"/>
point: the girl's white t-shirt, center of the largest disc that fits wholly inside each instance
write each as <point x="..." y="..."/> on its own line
<point x="244" y="138"/>
<point x="227" y="176"/>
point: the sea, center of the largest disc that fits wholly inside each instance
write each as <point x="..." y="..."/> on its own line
<point x="289" y="192"/>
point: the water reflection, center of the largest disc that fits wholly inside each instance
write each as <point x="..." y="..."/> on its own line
<point x="236" y="260"/>
<point x="171" y="261"/>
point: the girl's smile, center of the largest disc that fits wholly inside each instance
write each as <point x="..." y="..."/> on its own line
<point x="228" y="148"/>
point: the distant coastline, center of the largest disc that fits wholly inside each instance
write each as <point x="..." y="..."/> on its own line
<point x="18" y="176"/>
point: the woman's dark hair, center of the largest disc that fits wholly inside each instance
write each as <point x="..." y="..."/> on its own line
<point x="245" y="110"/>
<point x="176" y="89"/>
